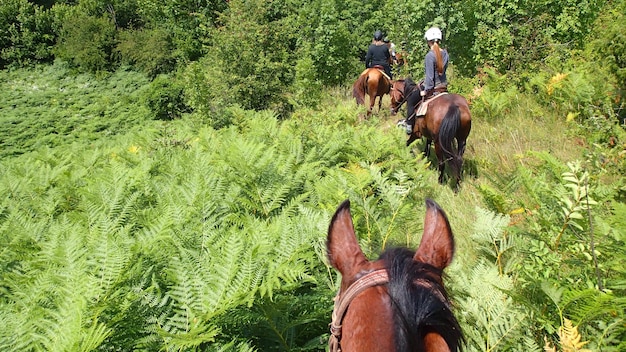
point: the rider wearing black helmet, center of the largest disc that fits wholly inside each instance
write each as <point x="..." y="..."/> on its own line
<point x="378" y="54"/>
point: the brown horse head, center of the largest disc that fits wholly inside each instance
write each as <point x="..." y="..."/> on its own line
<point x="397" y="95"/>
<point x="374" y="83"/>
<point x="398" y="302"/>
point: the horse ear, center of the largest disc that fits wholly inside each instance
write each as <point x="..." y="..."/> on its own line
<point x="343" y="248"/>
<point x="437" y="245"/>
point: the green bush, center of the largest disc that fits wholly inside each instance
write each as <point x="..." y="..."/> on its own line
<point x="206" y="92"/>
<point x="610" y="49"/>
<point x="256" y="54"/>
<point x="148" y="50"/>
<point x="165" y="98"/>
<point x="307" y="87"/>
<point x="27" y="33"/>
<point x="87" y="42"/>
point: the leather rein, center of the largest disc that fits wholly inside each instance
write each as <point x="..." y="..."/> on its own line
<point x="342" y="301"/>
<point x="373" y="278"/>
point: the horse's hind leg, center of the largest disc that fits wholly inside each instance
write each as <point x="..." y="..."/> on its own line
<point x="372" y="103"/>
<point x="427" y="148"/>
<point x="411" y="139"/>
<point x="461" y="147"/>
<point x="440" y="159"/>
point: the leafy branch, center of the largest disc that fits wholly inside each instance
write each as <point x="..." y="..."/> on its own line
<point x="577" y="202"/>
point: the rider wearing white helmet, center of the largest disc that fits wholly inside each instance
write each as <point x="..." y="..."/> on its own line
<point x="436" y="62"/>
<point x="435" y="65"/>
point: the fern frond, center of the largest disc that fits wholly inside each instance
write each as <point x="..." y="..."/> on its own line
<point x="490" y="318"/>
<point x="588" y="305"/>
<point x="232" y="346"/>
<point x="570" y="339"/>
<point x="491" y="235"/>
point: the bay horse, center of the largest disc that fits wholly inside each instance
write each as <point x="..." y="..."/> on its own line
<point x="397" y="95"/>
<point x="374" y="83"/>
<point x="398" y="302"/>
<point x="447" y="119"/>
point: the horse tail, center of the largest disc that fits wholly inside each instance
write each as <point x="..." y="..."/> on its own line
<point x="447" y="133"/>
<point x="358" y="89"/>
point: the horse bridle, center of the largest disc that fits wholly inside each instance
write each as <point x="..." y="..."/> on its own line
<point x="404" y="98"/>
<point x="342" y="301"/>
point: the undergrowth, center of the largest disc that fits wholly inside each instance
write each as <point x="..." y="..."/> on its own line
<point x="52" y="106"/>
<point x="119" y="231"/>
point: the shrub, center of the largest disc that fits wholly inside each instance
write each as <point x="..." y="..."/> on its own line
<point x="207" y="92"/>
<point x="165" y="98"/>
<point x="149" y="50"/>
<point x="307" y="88"/>
<point x="26" y="33"/>
<point x="87" y="42"/>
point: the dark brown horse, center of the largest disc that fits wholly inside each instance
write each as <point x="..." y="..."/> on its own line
<point x="447" y="120"/>
<point x="397" y="95"/>
<point x="398" y="302"/>
<point x="374" y="83"/>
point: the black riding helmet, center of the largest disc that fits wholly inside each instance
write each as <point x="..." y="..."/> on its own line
<point x="378" y="35"/>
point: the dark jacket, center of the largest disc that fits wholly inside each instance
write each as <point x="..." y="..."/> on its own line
<point x="377" y="55"/>
<point x="432" y="77"/>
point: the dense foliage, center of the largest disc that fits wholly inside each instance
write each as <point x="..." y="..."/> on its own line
<point x="253" y="46"/>
<point x="168" y="171"/>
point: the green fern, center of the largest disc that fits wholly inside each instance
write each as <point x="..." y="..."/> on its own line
<point x="490" y="318"/>
<point x="495" y="242"/>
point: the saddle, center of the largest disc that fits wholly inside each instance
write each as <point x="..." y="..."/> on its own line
<point x="439" y="89"/>
<point x="382" y="70"/>
<point x="423" y="107"/>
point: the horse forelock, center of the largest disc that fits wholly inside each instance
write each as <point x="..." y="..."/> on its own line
<point x="420" y="302"/>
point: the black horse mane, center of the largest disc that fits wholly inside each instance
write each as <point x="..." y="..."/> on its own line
<point x="418" y="308"/>
<point x="411" y="96"/>
<point x="409" y="86"/>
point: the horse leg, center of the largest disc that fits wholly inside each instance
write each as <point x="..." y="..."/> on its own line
<point x="462" y="147"/>
<point x="372" y="102"/>
<point x="412" y="138"/>
<point x="380" y="103"/>
<point x="427" y="148"/>
<point x="441" y="161"/>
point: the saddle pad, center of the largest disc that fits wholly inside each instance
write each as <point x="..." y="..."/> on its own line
<point x="423" y="108"/>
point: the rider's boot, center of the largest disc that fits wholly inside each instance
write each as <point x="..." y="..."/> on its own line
<point x="409" y="126"/>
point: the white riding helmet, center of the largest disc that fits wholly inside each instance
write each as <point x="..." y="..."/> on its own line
<point x="433" y="33"/>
